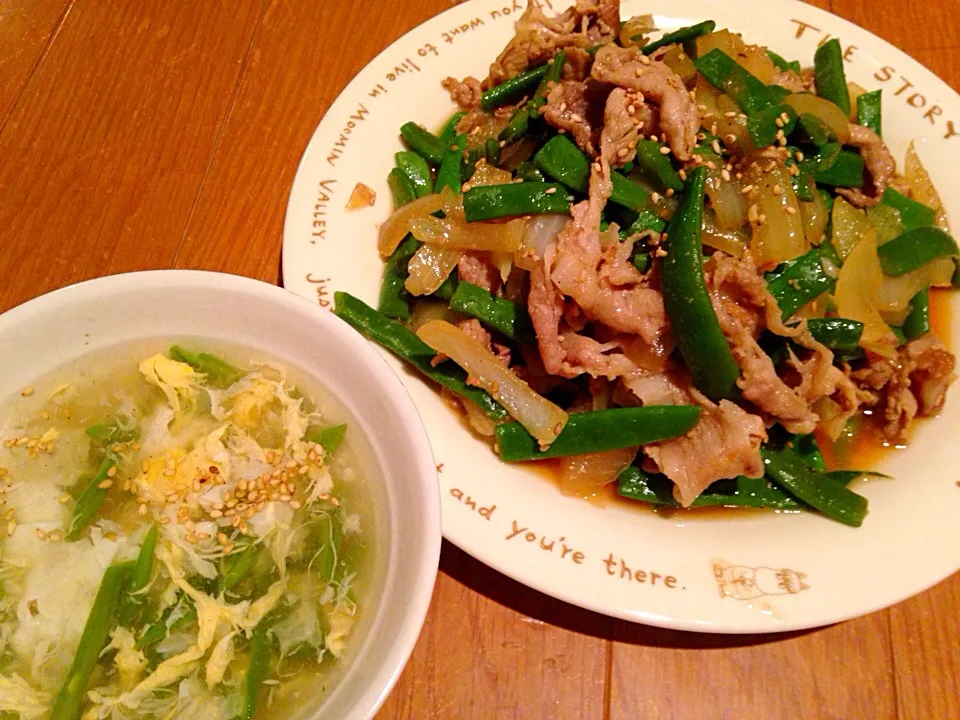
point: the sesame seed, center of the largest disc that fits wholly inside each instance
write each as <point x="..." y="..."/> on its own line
<point x="799" y="156"/>
<point x="112" y="471"/>
<point x="747" y="189"/>
<point x="249" y="513"/>
<point x="203" y="536"/>
<point x="725" y="174"/>
<point x="550" y="191"/>
<point x="170" y="472"/>
<point x="777" y="190"/>
<point x="730" y="138"/>
<point x="64" y="498"/>
<point x="222" y="538"/>
<point x="295" y="504"/>
<point x="228" y="548"/>
<point x="791" y="210"/>
<point x="655" y="197"/>
<point x="683" y="174"/>
<point x="778" y="122"/>
<point x="142" y="510"/>
<point x="669" y="192"/>
<point x="285" y="498"/>
<point x="27" y="391"/>
<point x="563" y="107"/>
<point x="103" y="485"/>
<point x="702" y="108"/>
<point x="752" y="213"/>
<point x="111" y="536"/>
<point x="716" y="146"/>
<point x="55" y="536"/>
<point x="761" y="219"/>
<point x="164" y="521"/>
<point x="711" y="165"/>
<point x="11" y="526"/>
<point x="190" y="525"/>
<point x="660" y="252"/>
<point x="576" y="118"/>
<point x="231" y="503"/>
<point x="664" y="150"/>
<point x="127" y="485"/>
<point x="191" y="538"/>
<point x="644" y="60"/>
<point x="236" y="521"/>
<point x="216" y="514"/>
<point x="41" y="534"/>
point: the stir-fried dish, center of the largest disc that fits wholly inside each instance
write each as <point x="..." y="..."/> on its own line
<point x="681" y="264"/>
<point x="177" y="542"/>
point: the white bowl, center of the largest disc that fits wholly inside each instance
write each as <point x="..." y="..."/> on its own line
<point x="54" y="329"/>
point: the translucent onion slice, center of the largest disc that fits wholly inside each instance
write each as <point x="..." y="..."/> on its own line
<point x="780" y="236"/>
<point x="896" y="292"/>
<point x="539" y="416"/>
<point x="727" y="201"/>
<point x="732" y="242"/>
<point x="823" y="109"/>
<point x="584" y="475"/>
<point x="850" y="224"/>
<point x="484" y="236"/>
<point x="815" y="216"/>
<point x="856" y="296"/>
<point x="486" y="174"/>
<point x="634" y="31"/>
<point x="922" y="186"/>
<point x="396" y="227"/>
<point x="429" y="267"/>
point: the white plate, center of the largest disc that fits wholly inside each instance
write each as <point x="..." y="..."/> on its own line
<point x="758" y="573"/>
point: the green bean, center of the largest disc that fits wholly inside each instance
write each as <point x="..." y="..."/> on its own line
<point x="450" y="173"/>
<point x="790" y="472"/>
<point x="817" y="130"/>
<point x="90" y="500"/>
<point x="424" y="142"/>
<point x="720" y="70"/>
<point x="598" y="431"/>
<point x="560" y="159"/>
<point x="329" y="438"/>
<point x="682" y="35"/>
<point x="92" y="640"/>
<point x="447" y="288"/>
<point x="519" y="123"/>
<point x="257" y="669"/>
<point x="238" y="565"/>
<point x="807" y="448"/>
<point x="658" y="165"/>
<point x="766" y="125"/>
<point x="793" y="65"/>
<point x="394" y="298"/>
<point x="645" y="220"/>
<point x="219" y="372"/>
<point x="517" y="126"/>
<point x="917" y="323"/>
<point x="868" y="111"/>
<point x="914" y="249"/>
<point x="449" y="131"/>
<point x="417" y="171"/>
<point x="777" y="94"/>
<point x="330" y="538"/>
<point x="404" y="343"/>
<point x="132" y="603"/>
<point x="641" y="260"/>
<point x="696" y="329"/>
<point x="801" y="280"/>
<point x="488" y="202"/>
<point x="491" y="152"/>
<point x="506" y="317"/>
<point x="401" y="188"/>
<point x="528" y="171"/>
<point x="637" y="484"/>
<point x="832" y="165"/>
<point x="802" y="183"/>
<point x="836" y="333"/>
<point x="512" y="89"/>
<point x="829" y="75"/>
<point x="913" y="214"/>
<point x="110" y="433"/>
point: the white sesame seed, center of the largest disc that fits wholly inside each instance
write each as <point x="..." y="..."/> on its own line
<point x="664" y="150"/>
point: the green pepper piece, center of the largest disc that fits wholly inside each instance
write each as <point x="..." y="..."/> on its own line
<point x="817" y="130"/>
<point x="487" y="202"/>
<point x="868" y="111"/>
<point x="832" y="165"/>
<point x="914" y="249"/>
<point x="917" y="323"/>
<point x="92" y="641"/>
<point x="692" y="318"/>
<point x="528" y="171"/>
<point x="782" y="64"/>
<point x="512" y="89"/>
<point x="404" y="343"/>
<point x="802" y="280"/>
<point x="598" y="431"/>
<point x="766" y="124"/>
<point x="789" y="471"/>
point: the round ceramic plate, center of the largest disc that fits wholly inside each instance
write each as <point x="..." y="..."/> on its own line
<point x="716" y="573"/>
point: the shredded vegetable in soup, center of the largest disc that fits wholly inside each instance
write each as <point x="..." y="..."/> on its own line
<point x="182" y="537"/>
<point x="677" y="262"/>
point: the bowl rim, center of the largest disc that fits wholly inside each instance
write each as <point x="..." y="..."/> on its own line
<point x="390" y="664"/>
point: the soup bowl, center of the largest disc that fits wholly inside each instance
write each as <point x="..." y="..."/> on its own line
<point x="95" y="316"/>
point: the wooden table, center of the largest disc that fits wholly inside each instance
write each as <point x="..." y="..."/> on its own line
<point x="138" y="134"/>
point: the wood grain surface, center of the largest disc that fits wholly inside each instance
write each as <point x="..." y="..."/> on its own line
<point x="166" y="133"/>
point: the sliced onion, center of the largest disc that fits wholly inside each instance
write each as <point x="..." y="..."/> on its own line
<point x="850" y="224"/>
<point x="396" y="227"/>
<point x="922" y="186"/>
<point x="726" y="200"/>
<point x="428" y="269"/>
<point x="427" y="309"/>
<point x="725" y="40"/>
<point x="815" y="216"/>
<point x="584" y="475"/>
<point x="896" y="292"/>
<point x="539" y="416"/>
<point x="823" y="109"/>
<point x="486" y="174"/>
<point x="484" y="236"/>
<point x="856" y="296"/>
<point x="639" y="26"/>
<point x="733" y="242"/>
<point x="780" y="236"/>
<point x="541" y="231"/>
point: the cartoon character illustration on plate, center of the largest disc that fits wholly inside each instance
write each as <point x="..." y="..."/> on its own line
<point x="746" y="583"/>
